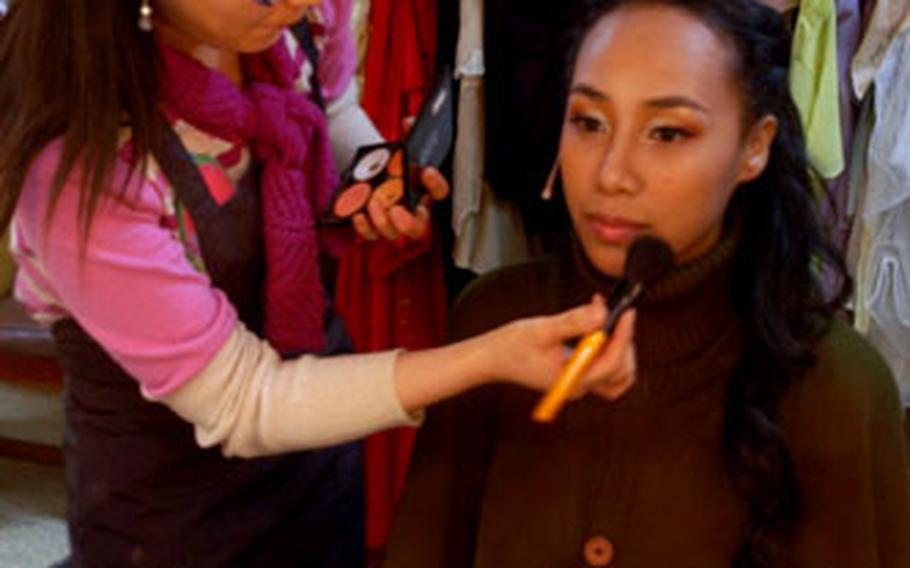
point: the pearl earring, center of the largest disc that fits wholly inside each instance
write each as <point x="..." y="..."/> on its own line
<point x="145" y="16"/>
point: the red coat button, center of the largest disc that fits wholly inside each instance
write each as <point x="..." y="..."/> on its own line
<point x="598" y="551"/>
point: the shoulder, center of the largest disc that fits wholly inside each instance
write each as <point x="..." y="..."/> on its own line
<point x="846" y="396"/>
<point x="127" y="191"/>
<point x="501" y="296"/>
<point x="849" y="371"/>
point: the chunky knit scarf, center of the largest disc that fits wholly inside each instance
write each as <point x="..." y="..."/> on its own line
<point x="288" y="137"/>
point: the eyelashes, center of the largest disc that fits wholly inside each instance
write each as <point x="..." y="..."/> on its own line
<point x="587" y="124"/>
<point x="670" y="134"/>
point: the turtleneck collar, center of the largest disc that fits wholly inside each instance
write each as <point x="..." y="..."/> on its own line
<point x="683" y="314"/>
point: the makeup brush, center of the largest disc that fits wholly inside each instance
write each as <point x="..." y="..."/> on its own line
<point x="648" y="260"/>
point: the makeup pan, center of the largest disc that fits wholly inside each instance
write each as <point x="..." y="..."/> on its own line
<point x="387" y="174"/>
<point x="352" y="200"/>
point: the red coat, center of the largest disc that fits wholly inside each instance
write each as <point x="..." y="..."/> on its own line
<point x="393" y="294"/>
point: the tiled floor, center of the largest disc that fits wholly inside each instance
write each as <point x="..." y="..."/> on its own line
<point x="32" y="500"/>
<point x="32" y="505"/>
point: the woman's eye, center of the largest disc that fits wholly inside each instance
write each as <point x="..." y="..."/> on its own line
<point x="670" y="134"/>
<point x="587" y="123"/>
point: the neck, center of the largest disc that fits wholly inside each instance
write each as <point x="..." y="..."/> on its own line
<point x="222" y="60"/>
<point x="683" y="312"/>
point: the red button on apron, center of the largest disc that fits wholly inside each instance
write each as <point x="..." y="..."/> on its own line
<point x="598" y="551"/>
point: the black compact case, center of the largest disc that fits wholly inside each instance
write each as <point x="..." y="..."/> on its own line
<point x="389" y="172"/>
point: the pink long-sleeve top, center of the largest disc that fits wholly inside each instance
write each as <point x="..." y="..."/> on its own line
<point x="138" y="286"/>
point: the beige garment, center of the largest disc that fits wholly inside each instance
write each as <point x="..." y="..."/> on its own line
<point x="360" y="26"/>
<point x="489" y="232"/>
<point x="883" y="276"/>
<point x="7" y="267"/>
<point x="252" y="403"/>
<point x="888" y="20"/>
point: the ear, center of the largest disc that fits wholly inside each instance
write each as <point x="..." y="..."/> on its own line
<point x="757" y="149"/>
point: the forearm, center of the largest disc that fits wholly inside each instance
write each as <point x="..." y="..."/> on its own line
<point x="349" y="127"/>
<point x="252" y="403"/>
<point x="423" y="378"/>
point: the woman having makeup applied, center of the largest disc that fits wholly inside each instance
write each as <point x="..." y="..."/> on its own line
<point x="761" y="430"/>
<point x="163" y="164"/>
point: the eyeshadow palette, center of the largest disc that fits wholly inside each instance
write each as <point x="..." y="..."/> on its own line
<point x="377" y="173"/>
<point x="389" y="173"/>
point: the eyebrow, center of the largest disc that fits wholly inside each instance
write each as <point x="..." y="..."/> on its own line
<point x="659" y="102"/>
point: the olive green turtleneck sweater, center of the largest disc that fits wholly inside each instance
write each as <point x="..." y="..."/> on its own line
<point x="641" y="482"/>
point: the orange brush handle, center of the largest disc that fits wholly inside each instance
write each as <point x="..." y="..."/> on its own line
<point x="552" y="402"/>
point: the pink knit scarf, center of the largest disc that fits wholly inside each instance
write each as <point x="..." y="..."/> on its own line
<point x="288" y="138"/>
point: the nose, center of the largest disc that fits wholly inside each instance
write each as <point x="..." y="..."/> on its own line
<point x="617" y="173"/>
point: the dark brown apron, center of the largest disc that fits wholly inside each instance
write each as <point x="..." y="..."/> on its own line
<point x="140" y="490"/>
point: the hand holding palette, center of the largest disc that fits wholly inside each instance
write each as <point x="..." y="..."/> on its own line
<point x="388" y="174"/>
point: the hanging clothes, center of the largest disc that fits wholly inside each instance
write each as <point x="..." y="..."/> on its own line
<point x="883" y="287"/>
<point x="360" y="26"/>
<point x="489" y="232"/>
<point x="393" y="294"/>
<point x="888" y="19"/>
<point x="836" y="209"/>
<point x="814" y="84"/>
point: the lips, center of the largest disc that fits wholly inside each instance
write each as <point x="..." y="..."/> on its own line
<point x="615" y="230"/>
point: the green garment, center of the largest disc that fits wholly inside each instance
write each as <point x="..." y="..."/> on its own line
<point x="814" y="84"/>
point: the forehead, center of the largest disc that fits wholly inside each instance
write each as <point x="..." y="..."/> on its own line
<point x="658" y="50"/>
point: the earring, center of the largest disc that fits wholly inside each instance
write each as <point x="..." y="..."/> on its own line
<point x="547" y="193"/>
<point x="145" y="16"/>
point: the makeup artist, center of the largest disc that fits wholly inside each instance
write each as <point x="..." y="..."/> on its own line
<point x="162" y="167"/>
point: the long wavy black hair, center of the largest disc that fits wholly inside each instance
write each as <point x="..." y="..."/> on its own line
<point x="79" y="69"/>
<point x="777" y="288"/>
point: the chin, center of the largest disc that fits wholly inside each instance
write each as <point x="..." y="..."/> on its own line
<point x="608" y="260"/>
<point x="260" y="41"/>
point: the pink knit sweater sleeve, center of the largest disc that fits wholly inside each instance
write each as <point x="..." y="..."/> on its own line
<point x="338" y="57"/>
<point x="132" y="288"/>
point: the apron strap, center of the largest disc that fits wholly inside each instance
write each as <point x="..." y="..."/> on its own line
<point x="304" y="35"/>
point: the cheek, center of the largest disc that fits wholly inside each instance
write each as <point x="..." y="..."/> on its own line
<point x="688" y="202"/>
<point x="239" y="26"/>
<point x="256" y="40"/>
<point x="578" y="170"/>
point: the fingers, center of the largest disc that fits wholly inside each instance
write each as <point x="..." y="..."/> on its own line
<point x="379" y="216"/>
<point x="412" y="226"/>
<point x="364" y="228"/>
<point x="616" y="386"/>
<point x="614" y="372"/>
<point x="436" y="185"/>
<point x="614" y="390"/>
<point x="578" y="321"/>
<point x="396" y="221"/>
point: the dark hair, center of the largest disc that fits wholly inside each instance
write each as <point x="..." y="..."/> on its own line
<point x="80" y="71"/>
<point x="777" y="288"/>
